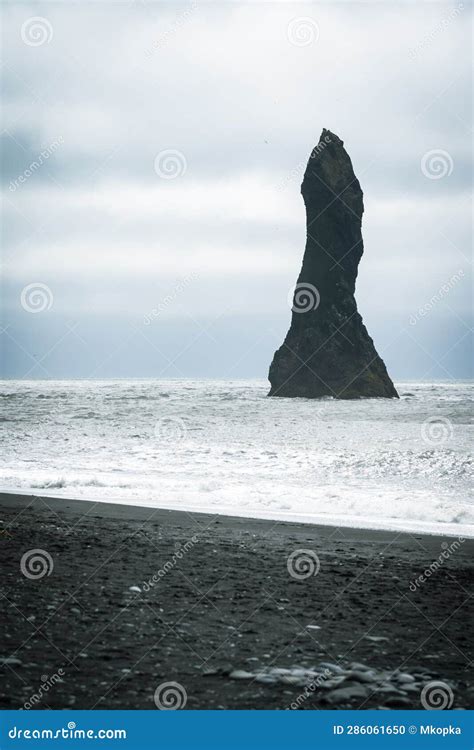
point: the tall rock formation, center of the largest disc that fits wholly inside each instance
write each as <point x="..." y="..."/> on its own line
<point x="327" y="351"/>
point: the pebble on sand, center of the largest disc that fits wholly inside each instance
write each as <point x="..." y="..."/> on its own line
<point x="347" y="693"/>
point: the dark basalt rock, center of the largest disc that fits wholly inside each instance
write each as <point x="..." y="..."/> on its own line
<point x="327" y="351"/>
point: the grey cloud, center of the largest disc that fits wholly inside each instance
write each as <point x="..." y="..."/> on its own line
<point x="225" y="87"/>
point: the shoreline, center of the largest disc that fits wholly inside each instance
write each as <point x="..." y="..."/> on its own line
<point x="126" y="509"/>
<point x="241" y="613"/>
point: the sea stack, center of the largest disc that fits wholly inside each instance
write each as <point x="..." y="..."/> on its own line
<point x="327" y="351"/>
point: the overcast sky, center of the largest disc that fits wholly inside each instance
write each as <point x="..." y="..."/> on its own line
<point x="153" y="264"/>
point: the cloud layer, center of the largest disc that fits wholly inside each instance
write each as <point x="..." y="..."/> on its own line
<point x="238" y="94"/>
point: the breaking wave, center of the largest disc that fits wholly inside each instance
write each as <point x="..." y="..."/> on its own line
<point x="371" y="462"/>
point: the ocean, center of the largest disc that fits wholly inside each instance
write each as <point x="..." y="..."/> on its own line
<point x="224" y="447"/>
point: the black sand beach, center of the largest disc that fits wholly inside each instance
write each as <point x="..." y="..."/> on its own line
<point x="132" y="598"/>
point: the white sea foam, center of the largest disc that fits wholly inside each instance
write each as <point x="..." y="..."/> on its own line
<point x="224" y="447"/>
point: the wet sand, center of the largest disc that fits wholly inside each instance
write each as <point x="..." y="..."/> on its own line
<point x="127" y="599"/>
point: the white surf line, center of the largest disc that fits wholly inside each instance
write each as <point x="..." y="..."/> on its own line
<point x="350" y="522"/>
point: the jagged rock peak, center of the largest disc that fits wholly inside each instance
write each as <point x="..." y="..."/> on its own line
<point x="327" y="350"/>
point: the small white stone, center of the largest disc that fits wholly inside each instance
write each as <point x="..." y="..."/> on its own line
<point x="376" y="638"/>
<point x="268" y="679"/>
<point x="10" y="660"/>
<point x="405" y="677"/>
<point x="240" y="674"/>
